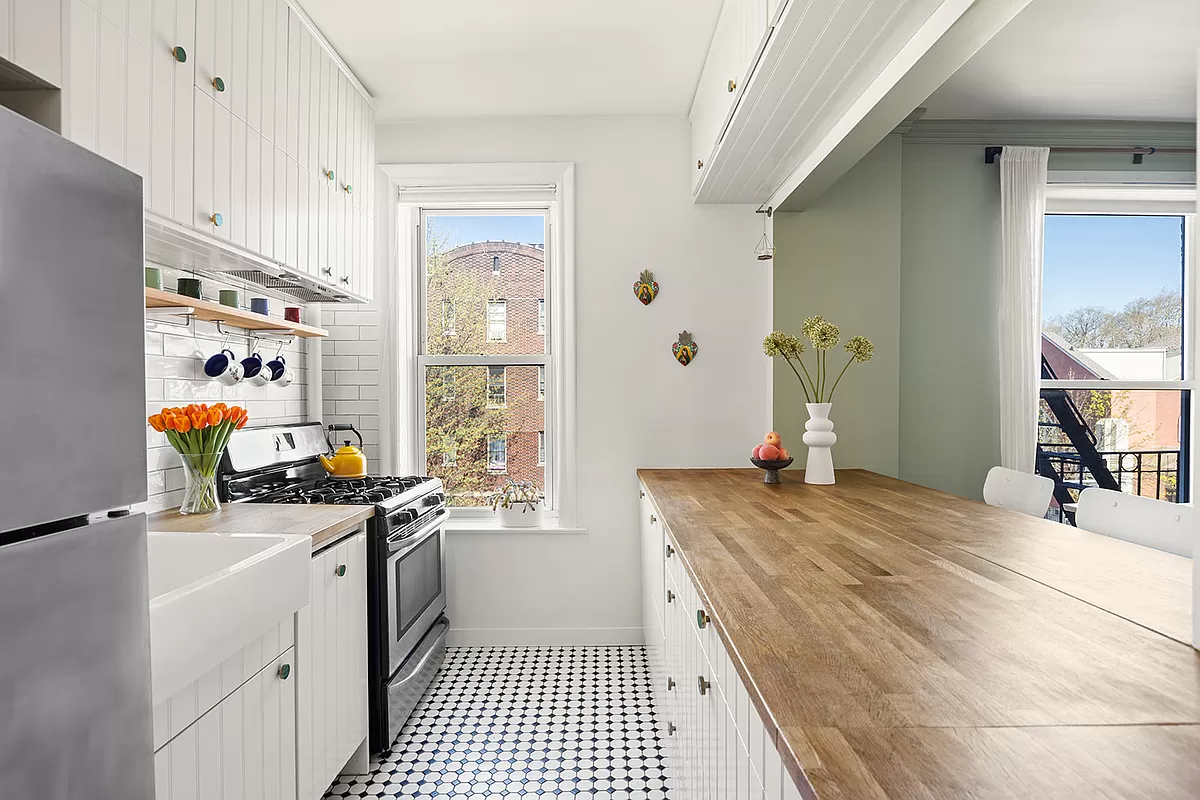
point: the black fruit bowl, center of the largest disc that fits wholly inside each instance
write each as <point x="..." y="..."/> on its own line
<point x="772" y="468"/>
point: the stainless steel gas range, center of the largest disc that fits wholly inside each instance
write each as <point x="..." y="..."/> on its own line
<point x="406" y="561"/>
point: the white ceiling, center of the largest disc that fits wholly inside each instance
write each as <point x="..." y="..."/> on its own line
<point x="521" y="57"/>
<point x="1082" y="59"/>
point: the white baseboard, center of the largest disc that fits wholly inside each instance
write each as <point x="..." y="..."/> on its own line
<point x="543" y="637"/>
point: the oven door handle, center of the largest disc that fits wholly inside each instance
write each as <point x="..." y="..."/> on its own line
<point x="397" y="545"/>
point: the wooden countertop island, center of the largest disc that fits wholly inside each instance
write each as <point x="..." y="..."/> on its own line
<point x="322" y="522"/>
<point x="899" y="642"/>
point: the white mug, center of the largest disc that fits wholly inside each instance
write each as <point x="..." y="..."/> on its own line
<point x="223" y="367"/>
<point x="254" y="371"/>
<point x="285" y="378"/>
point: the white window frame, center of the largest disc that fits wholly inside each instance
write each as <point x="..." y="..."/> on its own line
<point x="504" y="393"/>
<point x="1073" y="193"/>
<point x="549" y="187"/>
<point x="495" y="266"/>
<point x="499" y="302"/>
<point x="502" y="469"/>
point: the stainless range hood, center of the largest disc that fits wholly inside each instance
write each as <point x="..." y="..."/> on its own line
<point x="173" y="245"/>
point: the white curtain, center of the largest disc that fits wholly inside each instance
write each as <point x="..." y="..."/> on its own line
<point x="1022" y="207"/>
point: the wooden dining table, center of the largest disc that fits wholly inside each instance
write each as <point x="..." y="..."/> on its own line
<point x="902" y="642"/>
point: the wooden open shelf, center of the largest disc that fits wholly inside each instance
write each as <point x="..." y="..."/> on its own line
<point x="237" y="317"/>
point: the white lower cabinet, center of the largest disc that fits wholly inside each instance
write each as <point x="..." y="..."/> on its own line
<point x="716" y="743"/>
<point x="241" y="749"/>
<point x="331" y="643"/>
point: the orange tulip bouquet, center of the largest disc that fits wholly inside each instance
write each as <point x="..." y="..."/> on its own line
<point x="199" y="434"/>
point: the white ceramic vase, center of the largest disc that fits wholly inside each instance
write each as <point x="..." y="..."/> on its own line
<point x="820" y="438"/>
<point x="520" y="516"/>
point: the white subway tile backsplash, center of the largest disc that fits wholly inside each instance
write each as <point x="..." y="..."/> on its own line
<point x="338" y="362"/>
<point x="341" y="333"/>
<point x="154" y="343"/>
<point x="370" y="392"/>
<point x="355" y="317"/>
<point x="154" y="390"/>
<point x="160" y="458"/>
<point x="357" y="377"/>
<point x="356" y="348"/>
<point x="177" y="391"/>
<point x="187" y="347"/>
<point x="357" y="406"/>
<point x="368" y="362"/>
<point x="166" y="367"/>
<point x="341" y="392"/>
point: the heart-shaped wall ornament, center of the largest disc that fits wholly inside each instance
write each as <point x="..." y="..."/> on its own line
<point x="685" y="348"/>
<point x="646" y="288"/>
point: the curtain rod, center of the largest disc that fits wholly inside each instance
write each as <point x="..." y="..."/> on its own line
<point x="991" y="153"/>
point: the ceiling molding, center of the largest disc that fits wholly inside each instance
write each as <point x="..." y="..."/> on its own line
<point x="1053" y="133"/>
<point x="905" y="126"/>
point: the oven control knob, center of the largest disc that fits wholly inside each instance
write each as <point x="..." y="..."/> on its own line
<point x="407" y="516"/>
<point x="435" y="499"/>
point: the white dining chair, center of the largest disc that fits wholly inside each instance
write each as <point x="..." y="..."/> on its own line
<point x="1142" y="520"/>
<point x="1018" y="491"/>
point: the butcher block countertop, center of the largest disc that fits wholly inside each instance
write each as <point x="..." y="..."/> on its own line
<point x="904" y="643"/>
<point x="322" y="522"/>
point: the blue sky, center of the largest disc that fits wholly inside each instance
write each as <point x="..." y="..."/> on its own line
<point x="1107" y="261"/>
<point x="467" y="229"/>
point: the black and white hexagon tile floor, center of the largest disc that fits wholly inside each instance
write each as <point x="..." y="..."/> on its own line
<point x="527" y="722"/>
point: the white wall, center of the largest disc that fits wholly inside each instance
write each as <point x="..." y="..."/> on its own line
<point x="637" y="406"/>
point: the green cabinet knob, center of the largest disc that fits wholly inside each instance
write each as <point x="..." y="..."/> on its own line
<point x="348" y="189"/>
<point x="329" y="174"/>
<point x="702" y="619"/>
<point x="340" y="570"/>
<point x="285" y="672"/>
<point x="217" y="219"/>
<point x="219" y="84"/>
<point x="179" y="53"/>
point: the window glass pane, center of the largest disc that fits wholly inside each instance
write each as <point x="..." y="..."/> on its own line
<point x="1129" y="440"/>
<point x="496" y="387"/>
<point x="541" y="383"/>
<point x="493" y="269"/>
<point x="541" y="447"/>
<point x="497" y="320"/>
<point x="486" y="444"/>
<point x="1112" y="297"/>
<point x="541" y="322"/>
<point x="448" y="318"/>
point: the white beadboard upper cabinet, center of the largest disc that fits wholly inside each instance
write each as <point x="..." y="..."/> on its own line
<point x="31" y="37"/>
<point x="234" y="108"/>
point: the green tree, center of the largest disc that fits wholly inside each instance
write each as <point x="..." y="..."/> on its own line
<point x="1145" y="322"/>
<point x="458" y="421"/>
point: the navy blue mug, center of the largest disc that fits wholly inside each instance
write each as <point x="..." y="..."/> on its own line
<point x="276" y="368"/>
<point x="254" y="371"/>
<point x="260" y="305"/>
<point x="223" y="367"/>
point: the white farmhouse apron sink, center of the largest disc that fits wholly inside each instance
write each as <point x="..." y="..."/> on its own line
<point x="212" y="594"/>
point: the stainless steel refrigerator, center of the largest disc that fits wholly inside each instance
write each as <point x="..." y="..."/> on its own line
<point x="75" y="718"/>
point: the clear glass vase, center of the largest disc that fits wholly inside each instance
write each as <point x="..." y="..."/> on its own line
<point x="200" y="491"/>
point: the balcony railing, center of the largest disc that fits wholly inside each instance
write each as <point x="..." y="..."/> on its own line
<point x="1147" y="473"/>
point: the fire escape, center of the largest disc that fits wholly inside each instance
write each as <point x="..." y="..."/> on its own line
<point x="1082" y="452"/>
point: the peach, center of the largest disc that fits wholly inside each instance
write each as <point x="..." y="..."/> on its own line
<point x="784" y="455"/>
<point x="768" y="452"/>
<point x="772" y="438"/>
<point x="756" y="449"/>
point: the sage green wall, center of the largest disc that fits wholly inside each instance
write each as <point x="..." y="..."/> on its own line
<point x="949" y="286"/>
<point x="840" y="258"/>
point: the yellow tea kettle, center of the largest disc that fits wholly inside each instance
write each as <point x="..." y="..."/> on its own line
<point x="348" y="461"/>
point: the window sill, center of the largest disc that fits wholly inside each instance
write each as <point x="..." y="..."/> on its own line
<point x="492" y="525"/>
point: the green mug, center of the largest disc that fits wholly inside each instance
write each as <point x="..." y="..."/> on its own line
<point x="231" y="298"/>
<point x="153" y="278"/>
<point x="189" y="287"/>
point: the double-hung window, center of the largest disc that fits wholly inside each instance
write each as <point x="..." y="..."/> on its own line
<point x="1118" y="362"/>
<point x="488" y="388"/>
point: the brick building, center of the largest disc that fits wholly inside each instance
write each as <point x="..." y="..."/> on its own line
<point x="491" y="301"/>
